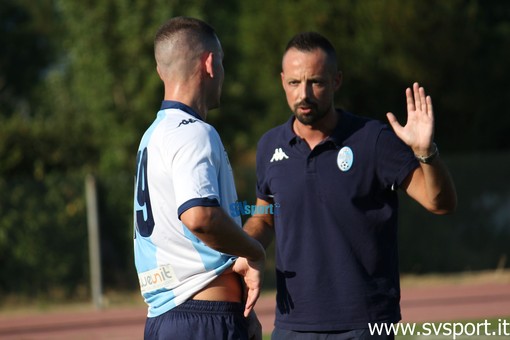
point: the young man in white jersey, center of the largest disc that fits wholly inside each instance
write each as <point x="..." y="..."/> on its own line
<point x="190" y="254"/>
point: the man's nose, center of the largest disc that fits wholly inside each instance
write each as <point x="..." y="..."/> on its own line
<point x="305" y="91"/>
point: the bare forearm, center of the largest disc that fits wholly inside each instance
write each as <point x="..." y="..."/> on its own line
<point x="260" y="229"/>
<point x="439" y="187"/>
<point x="216" y="229"/>
<point x="431" y="184"/>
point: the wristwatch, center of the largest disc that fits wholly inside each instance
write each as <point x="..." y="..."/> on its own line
<point x="428" y="159"/>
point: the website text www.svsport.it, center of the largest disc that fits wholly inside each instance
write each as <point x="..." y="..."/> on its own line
<point x="452" y="330"/>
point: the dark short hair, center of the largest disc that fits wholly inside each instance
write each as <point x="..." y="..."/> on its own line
<point x="201" y="30"/>
<point x="309" y="41"/>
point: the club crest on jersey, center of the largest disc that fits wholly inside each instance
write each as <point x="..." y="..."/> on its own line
<point x="345" y="159"/>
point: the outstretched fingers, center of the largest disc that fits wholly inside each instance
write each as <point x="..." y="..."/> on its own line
<point x="430" y="109"/>
<point x="418" y="101"/>
<point x="418" y="131"/>
<point x="410" y="100"/>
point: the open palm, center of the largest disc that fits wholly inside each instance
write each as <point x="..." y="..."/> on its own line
<point x="418" y="132"/>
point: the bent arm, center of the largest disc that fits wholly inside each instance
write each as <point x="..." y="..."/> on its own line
<point x="432" y="186"/>
<point x="216" y="229"/>
<point x="261" y="226"/>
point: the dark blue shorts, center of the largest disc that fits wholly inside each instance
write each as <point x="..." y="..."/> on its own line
<point x="195" y="319"/>
<point x="358" y="334"/>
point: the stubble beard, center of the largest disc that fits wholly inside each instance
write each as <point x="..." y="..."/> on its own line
<point x="314" y="116"/>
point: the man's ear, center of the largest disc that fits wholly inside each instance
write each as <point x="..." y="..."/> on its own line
<point x="338" y="80"/>
<point x="209" y="62"/>
<point x="160" y="73"/>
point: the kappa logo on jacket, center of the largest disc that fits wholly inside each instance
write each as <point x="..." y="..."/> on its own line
<point x="278" y="155"/>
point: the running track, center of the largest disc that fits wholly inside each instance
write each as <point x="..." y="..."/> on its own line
<point x="419" y="304"/>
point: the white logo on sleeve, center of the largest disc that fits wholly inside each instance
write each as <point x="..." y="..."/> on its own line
<point x="278" y="155"/>
<point x="345" y="158"/>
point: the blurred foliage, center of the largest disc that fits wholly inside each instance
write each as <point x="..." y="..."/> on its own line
<point x="78" y="87"/>
<point x="43" y="234"/>
<point x="476" y="237"/>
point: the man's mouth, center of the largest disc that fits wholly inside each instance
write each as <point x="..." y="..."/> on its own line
<point x="304" y="107"/>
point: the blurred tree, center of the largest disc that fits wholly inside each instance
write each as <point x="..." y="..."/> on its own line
<point x="78" y="88"/>
<point x="88" y="110"/>
<point x="452" y="48"/>
<point x="457" y="49"/>
<point x="104" y="92"/>
<point x="26" y="39"/>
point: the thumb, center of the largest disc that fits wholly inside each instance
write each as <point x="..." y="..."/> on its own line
<point x="394" y="122"/>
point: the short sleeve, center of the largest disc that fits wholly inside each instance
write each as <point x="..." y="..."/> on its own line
<point x="262" y="191"/>
<point x="395" y="160"/>
<point x="195" y="168"/>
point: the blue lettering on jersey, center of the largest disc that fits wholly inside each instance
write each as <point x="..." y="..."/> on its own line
<point x="144" y="217"/>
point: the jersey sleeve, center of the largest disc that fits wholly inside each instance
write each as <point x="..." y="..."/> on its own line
<point x="395" y="160"/>
<point x="195" y="168"/>
<point x="262" y="190"/>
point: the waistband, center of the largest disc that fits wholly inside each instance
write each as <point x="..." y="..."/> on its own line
<point x="203" y="306"/>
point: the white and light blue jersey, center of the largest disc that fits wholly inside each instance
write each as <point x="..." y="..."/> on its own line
<point x="181" y="163"/>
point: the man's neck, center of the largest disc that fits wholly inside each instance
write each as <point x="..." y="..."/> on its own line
<point x="188" y="96"/>
<point x="316" y="133"/>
